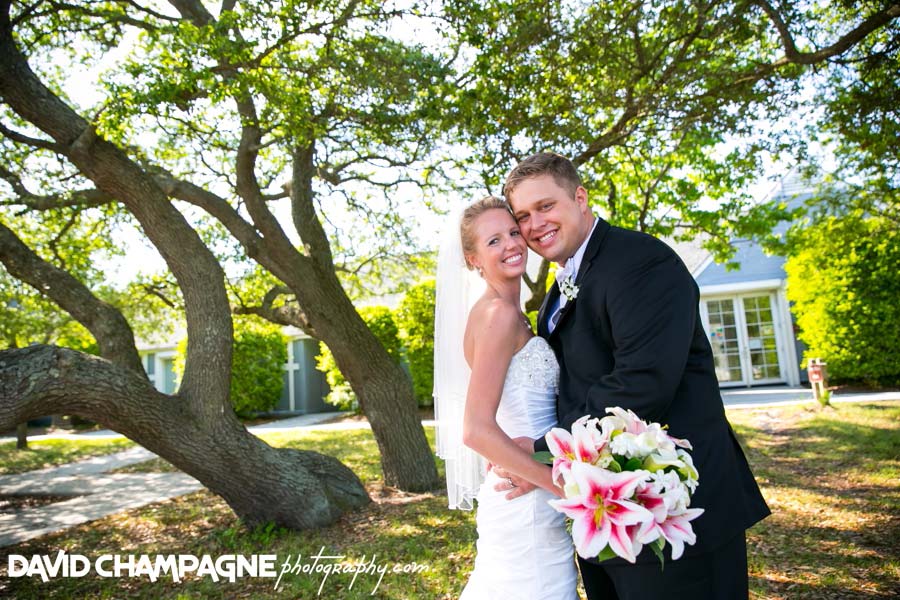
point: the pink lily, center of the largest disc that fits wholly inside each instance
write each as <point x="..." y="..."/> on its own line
<point x="625" y="420"/>
<point x="648" y="496"/>
<point x="579" y="445"/>
<point x="603" y="510"/>
<point x="677" y="530"/>
<point x="561" y="445"/>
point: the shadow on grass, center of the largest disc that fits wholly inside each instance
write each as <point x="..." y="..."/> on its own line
<point x="789" y="590"/>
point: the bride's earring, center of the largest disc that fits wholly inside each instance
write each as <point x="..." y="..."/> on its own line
<point x="480" y="272"/>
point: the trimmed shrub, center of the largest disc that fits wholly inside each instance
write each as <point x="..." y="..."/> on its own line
<point x="257" y="366"/>
<point x="415" y="319"/>
<point x="380" y="321"/>
<point x="844" y="282"/>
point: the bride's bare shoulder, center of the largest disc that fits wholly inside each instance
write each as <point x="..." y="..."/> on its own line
<point x="494" y="322"/>
<point x="495" y="314"/>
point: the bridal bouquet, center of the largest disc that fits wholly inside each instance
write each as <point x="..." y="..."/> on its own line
<point x="627" y="484"/>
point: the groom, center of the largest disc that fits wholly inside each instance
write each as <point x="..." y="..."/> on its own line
<point x="629" y="335"/>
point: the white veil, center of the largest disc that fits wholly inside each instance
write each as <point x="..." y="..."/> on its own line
<point x="457" y="289"/>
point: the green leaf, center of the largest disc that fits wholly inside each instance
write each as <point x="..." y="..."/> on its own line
<point x="606" y="554"/>
<point x="657" y="548"/>
<point x="543" y="457"/>
<point x="633" y="464"/>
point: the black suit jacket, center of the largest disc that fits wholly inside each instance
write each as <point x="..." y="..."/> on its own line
<point x="633" y="338"/>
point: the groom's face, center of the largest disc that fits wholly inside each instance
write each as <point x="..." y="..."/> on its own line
<point x="554" y="221"/>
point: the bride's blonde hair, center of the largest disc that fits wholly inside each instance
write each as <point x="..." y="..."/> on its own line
<point x="470" y="215"/>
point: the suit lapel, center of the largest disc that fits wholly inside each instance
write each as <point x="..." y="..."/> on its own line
<point x="590" y="253"/>
<point x="593" y="247"/>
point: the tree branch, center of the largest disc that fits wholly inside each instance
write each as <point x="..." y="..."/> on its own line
<point x="30" y="141"/>
<point x="282" y="315"/>
<point x="538" y="286"/>
<point x="194" y="11"/>
<point x="105" y="322"/>
<point x="303" y="208"/>
<point x="216" y="206"/>
<point x="196" y="269"/>
<point x="844" y="43"/>
<point x="32" y="201"/>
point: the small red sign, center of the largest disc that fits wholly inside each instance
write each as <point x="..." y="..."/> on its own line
<point x="815" y="373"/>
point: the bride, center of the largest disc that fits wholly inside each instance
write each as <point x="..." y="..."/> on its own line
<point x="495" y="381"/>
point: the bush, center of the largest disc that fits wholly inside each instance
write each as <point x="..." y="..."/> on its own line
<point x="844" y="282"/>
<point x="380" y="321"/>
<point x="257" y="366"/>
<point x="415" y="319"/>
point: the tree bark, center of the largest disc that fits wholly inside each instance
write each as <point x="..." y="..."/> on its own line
<point x="383" y="388"/>
<point x="195" y="429"/>
<point x="22" y="436"/>
<point x="291" y="488"/>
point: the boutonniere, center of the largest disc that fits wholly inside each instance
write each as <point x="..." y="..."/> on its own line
<point x="568" y="288"/>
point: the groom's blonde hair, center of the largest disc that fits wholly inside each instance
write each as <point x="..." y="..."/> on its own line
<point x="470" y="215"/>
<point x="544" y="163"/>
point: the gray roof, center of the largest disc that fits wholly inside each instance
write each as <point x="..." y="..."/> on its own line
<point x="755" y="263"/>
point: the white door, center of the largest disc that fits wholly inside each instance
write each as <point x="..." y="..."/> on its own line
<point x="744" y="340"/>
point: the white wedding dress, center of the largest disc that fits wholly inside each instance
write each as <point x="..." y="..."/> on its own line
<point x="523" y="549"/>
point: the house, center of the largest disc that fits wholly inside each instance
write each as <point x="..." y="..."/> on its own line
<point x="304" y="386"/>
<point x="745" y="312"/>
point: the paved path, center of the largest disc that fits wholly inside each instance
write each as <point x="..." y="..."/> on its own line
<point x="768" y="396"/>
<point x="96" y="493"/>
<point x="100" y="493"/>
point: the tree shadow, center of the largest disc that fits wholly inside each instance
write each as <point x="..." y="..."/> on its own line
<point x="792" y="590"/>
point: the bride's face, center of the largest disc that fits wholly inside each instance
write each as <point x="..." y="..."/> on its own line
<point x="500" y="250"/>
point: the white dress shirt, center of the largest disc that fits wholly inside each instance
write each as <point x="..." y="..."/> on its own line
<point x="568" y="269"/>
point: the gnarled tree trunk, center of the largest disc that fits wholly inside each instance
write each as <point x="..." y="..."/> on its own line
<point x="195" y="429"/>
<point x="292" y="488"/>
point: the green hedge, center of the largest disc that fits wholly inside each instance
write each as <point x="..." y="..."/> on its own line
<point x="380" y="321"/>
<point x="415" y="319"/>
<point x="844" y="282"/>
<point x="257" y="372"/>
<point x="408" y="336"/>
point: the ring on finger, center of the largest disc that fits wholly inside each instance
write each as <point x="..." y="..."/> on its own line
<point x="510" y="482"/>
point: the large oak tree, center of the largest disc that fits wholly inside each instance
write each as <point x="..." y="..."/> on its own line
<point x="249" y="108"/>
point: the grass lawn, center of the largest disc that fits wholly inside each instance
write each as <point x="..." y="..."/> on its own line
<point x="52" y="453"/>
<point x="830" y="475"/>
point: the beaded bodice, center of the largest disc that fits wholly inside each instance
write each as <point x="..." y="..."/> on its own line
<point x="528" y="403"/>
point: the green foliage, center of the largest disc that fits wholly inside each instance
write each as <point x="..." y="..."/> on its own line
<point x="844" y="283"/>
<point x="257" y="361"/>
<point x="70" y="239"/>
<point x="861" y="123"/>
<point x="415" y="320"/>
<point x="380" y="321"/>
<point x="656" y="103"/>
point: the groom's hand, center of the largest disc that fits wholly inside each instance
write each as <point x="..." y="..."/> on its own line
<point x="525" y="443"/>
<point x="515" y="485"/>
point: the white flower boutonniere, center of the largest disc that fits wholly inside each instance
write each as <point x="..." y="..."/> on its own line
<point x="568" y="288"/>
